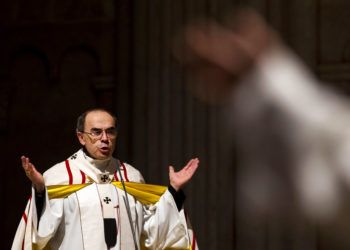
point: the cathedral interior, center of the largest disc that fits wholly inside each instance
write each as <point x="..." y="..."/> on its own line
<point x="60" y="58"/>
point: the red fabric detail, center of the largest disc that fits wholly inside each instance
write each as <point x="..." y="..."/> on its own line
<point x="69" y="172"/>
<point x="116" y="176"/>
<point x="24" y="216"/>
<point x="194" y="242"/>
<point x="83" y="179"/>
<point x="125" y="173"/>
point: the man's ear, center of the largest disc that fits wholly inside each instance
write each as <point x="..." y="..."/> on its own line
<point x="80" y="136"/>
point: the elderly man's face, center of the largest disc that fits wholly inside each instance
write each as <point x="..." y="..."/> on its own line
<point x="99" y="136"/>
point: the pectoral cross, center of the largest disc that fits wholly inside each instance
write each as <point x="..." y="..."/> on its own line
<point x="107" y="200"/>
<point x="104" y="178"/>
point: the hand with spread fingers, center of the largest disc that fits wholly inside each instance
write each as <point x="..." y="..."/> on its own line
<point x="219" y="54"/>
<point x="34" y="176"/>
<point x="180" y="178"/>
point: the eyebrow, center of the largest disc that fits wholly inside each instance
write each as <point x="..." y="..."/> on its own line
<point x="102" y="128"/>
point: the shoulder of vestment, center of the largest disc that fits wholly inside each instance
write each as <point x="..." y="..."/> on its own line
<point x="133" y="174"/>
<point x="56" y="175"/>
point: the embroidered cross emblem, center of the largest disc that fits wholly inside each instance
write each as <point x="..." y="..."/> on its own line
<point x="73" y="157"/>
<point x="107" y="200"/>
<point x="104" y="178"/>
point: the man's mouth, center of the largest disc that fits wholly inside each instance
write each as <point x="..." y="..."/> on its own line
<point x="104" y="148"/>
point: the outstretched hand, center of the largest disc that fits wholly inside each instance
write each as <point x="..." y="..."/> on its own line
<point x="180" y="178"/>
<point x="34" y="176"/>
<point x="218" y="55"/>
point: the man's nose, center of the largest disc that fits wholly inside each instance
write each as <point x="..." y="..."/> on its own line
<point x="104" y="136"/>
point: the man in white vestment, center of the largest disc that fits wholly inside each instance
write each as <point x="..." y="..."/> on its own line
<point x="93" y="201"/>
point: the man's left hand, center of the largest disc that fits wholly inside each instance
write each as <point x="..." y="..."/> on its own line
<point x="180" y="178"/>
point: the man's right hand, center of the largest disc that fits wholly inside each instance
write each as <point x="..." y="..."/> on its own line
<point x="34" y="176"/>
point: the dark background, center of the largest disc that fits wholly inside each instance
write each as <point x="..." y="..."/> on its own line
<point x="58" y="58"/>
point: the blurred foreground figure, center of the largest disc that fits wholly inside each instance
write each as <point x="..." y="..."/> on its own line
<point x="293" y="135"/>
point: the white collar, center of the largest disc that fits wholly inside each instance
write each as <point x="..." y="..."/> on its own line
<point x="95" y="169"/>
<point x="102" y="165"/>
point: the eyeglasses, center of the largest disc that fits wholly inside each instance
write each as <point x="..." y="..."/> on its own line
<point x="97" y="133"/>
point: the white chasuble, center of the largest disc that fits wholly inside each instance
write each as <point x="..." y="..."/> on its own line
<point x="76" y="220"/>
